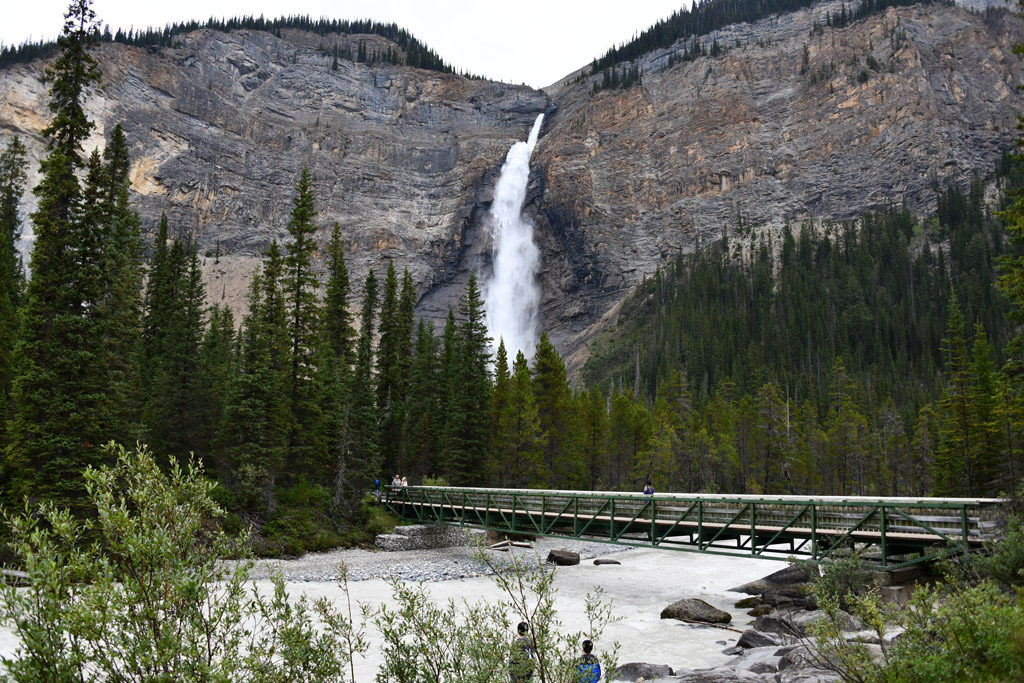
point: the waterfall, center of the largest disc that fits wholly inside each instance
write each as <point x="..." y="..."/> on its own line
<point x="511" y="295"/>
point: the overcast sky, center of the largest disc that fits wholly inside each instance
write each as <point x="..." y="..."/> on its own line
<point x="525" y="41"/>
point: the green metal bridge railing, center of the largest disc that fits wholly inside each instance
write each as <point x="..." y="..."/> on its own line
<point x="894" y="532"/>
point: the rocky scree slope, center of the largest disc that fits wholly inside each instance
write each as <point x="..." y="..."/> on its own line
<point x="793" y="120"/>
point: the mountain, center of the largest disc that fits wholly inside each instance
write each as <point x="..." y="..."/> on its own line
<point x="749" y="126"/>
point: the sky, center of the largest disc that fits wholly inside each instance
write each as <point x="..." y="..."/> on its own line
<point x="535" y="42"/>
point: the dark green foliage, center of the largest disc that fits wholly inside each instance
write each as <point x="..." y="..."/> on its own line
<point x="468" y="429"/>
<point x="306" y="438"/>
<point x="337" y="321"/>
<point x="217" y="370"/>
<point x="392" y="350"/>
<point x="359" y="462"/>
<point x="61" y="409"/>
<point x="174" y="333"/>
<point x="423" y="415"/>
<point x="12" y="187"/>
<point x="561" y="468"/>
<point x="254" y="429"/>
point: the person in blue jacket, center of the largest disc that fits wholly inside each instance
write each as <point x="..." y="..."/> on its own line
<point x="588" y="667"/>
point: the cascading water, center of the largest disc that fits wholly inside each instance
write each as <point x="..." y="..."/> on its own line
<point x="511" y="295"/>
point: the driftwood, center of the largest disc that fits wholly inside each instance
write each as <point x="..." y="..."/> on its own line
<point x="708" y="623"/>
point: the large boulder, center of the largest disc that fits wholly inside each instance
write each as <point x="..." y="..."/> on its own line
<point x="637" y="670"/>
<point x="565" y="558"/>
<point x="801" y="623"/>
<point x="786" y="587"/>
<point x="693" y="609"/>
<point x="792" y="575"/>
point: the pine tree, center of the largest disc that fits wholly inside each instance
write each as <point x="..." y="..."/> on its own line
<point x="469" y="430"/>
<point x="449" y="407"/>
<point x="954" y="466"/>
<point x="120" y="305"/>
<point x="253" y="432"/>
<point x="58" y="426"/>
<point x="361" y="457"/>
<point x="337" y="319"/>
<point x="389" y="378"/>
<point x="561" y="460"/>
<point x="216" y="370"/>
<point x="500" y="406"/>
<point x="522" y="457"/>
<point x="12" y="186"/>
<point x="594" y="436"/>
<point x="988" y="443"/>
<point x="306" y="440"/>
<point x="173" y="417"/>
<point x="424" y="412"/>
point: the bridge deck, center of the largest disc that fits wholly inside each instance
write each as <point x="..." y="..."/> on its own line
<point x="894" y="531"/>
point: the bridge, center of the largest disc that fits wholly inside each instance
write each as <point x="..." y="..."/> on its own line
<point x="892" y="532"/>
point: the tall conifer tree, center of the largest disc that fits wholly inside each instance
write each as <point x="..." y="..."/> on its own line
<point x="561" y="459"/>
<point x="469" y="432"/>
<point x="361" y="462"/>
<point x="59" y="424"/>
<point x="389" y="379"/>
<point x="423" y="416"/>
<point x="306" y="440"/>
<point x="12" y="186"/>
<point x="253" y="433"/>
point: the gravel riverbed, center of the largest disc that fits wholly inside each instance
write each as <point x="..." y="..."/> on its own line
<point x="428" y="566"/>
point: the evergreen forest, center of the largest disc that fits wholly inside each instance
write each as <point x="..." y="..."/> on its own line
<point x="876" y="356"/>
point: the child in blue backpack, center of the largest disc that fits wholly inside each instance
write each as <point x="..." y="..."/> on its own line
<point x="588" y="667"/>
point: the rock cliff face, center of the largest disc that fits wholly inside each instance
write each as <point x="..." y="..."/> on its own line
<point x="222" y="124"/>
<point x="795" y="123"/>
<point x="789" y="122"/>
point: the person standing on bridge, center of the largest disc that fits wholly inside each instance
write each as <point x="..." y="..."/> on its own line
<point x="520" y="661"/>
<point x="648" y="488"/>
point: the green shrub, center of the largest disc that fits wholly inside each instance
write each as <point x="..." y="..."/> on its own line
<point x="140" y="591"/>
<point x="973" y="633"/>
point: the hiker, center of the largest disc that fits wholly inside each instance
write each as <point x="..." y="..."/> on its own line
<point x="648" y="488"/>
<point x="588" y="668"/>
<point x="396" y="481"/>
<point x="520" y="660"/>
<point x="405" y="482"/>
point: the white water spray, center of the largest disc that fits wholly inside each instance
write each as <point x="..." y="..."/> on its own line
<point x="511" y="295"/>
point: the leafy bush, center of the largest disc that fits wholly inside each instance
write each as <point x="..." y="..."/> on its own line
<point x="424" y="641"/>
<point x="973" y="633"/>
<point x="139" y="592"/>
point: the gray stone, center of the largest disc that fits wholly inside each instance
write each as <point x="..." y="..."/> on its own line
<point x="801" y="623"/>
<point x="769" y="623"/>
<point x="694" y="609"/>
<point x="807" y="676"/>
<point x="564" y="558"/>
<point x="719" y="675"/>
<point x="634" y="670"/>
<point x="796" y="657"/>
<point x="794" y="574"/>
<point x="751" y="638"/>
<point x="760" y="660"/>
<point x="599" y="561"/>
<point x="747" y="603"/>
